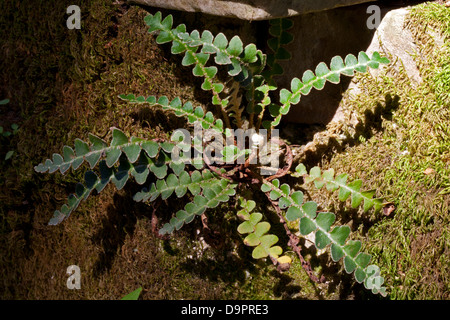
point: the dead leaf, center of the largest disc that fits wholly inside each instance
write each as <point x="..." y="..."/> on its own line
<point x="388" y="209"/>
<point x="428" y="171"/>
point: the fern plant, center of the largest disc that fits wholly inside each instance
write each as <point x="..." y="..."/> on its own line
<point x="246" y="100"/>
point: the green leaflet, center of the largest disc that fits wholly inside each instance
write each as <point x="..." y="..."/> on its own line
<point x="219" y="192"/>
<point x="325" y="234"/>
<point x="352" y="189"/>
<point x="257" y="233"/>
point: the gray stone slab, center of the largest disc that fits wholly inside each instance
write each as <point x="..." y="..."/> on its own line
<point x="250" y="10"/>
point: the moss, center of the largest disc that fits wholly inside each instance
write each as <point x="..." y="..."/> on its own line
<point x="64" y="83"/>
<point x="401" y="149"/>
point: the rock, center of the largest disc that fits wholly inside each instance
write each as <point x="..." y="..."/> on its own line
<point x="250" y="10"/>
<point x="395" y="41"/>
<point x="392" y="38"/>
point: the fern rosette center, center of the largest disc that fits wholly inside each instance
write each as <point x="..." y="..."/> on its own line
<point x="229" y="145"/>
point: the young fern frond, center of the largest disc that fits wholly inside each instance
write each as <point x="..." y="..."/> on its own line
<point x="320" y="223"/>
<point x="332" y="183"/>
<point x="257" y="234"/>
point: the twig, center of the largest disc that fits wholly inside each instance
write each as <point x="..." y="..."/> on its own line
<point x="287" y="158"/>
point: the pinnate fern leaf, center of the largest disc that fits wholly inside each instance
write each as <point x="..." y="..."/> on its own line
<point x="351" y="189"/>
<point x="207" y="119"/>
<point x="123" y="158"/>
<point x="319" y="77"/>
<point x="210" y="198"/>
<point x="321" y="224"/>
<point x="257" y="234"/>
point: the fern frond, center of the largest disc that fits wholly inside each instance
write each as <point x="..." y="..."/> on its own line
<point x="180" y="185"/>
<point x="263" y="102"/>
<point x="234" y="107"/>
<point x="257" y="234"/>
<point x="318" y="79"/>
<point x="211" y="197"/>
<point x="242" y="62"/>
<point x="346" y="190"/>
<point x="281" y="36"/>
<point x="197" y="114"/>
<point x="92" y="182"/>
<point x="99" y="148"/>
<point x="257" y="101"/>
<point x="135" y="158"/>
<point x="320" y="223"/>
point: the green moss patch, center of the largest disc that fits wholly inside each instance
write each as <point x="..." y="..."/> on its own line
<point x="401" y="149"/>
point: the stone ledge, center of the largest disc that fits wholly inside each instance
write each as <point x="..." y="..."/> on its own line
<point x="250" y="10"/>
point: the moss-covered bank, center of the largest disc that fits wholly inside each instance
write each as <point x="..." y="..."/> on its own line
<point x="64" y="83"/>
